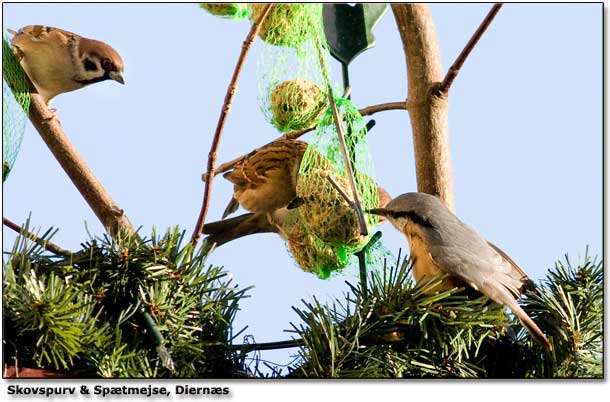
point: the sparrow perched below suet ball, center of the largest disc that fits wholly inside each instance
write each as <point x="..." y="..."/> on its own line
<point x="266" y="179"/>
<point x="442" y="244"/>
<point x="280" y="221"/>
<point x="58" y="61"/>
<point x="308" y="253"/>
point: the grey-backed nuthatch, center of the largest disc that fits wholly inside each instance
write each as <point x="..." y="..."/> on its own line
<point x="442" y="244"/>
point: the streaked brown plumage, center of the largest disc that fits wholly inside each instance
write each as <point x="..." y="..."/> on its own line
<point x="266" y="179"/>
<point x="277" y="221"/>
<point x="58" y="61"/>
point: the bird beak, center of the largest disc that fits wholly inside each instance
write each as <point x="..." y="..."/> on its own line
<point x="378" y="211"/>
<point x="117" y="76"/>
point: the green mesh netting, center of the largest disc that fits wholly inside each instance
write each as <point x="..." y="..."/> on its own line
<point x="309" y="253"/>
<point x="235" y="11"/>
<point x="15" y="105"/>
<point x="289" y="24"/>
<point x="293" y="75"/>
<point x="327" y="217"/>
<point x="291" y="81"/>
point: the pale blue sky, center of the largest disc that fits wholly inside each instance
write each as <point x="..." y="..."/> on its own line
<point x="525" y="122"/>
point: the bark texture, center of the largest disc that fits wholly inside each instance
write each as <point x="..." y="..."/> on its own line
<point x="427" y="109"/>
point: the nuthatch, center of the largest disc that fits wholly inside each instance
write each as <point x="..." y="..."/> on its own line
<point x="442" y="244"/>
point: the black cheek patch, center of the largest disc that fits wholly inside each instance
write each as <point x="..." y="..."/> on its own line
<point x="89" y="65"/>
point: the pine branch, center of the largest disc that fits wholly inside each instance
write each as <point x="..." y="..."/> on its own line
<point x="124" y="308"/>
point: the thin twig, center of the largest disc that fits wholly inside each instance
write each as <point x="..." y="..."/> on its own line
<point x="226" y="107"/>
<point x="347" y="92"/>
<point x="293" y="135"/>
<point x="339" y="190"/>
<point x="350" y="172"/>
<point x="459" y="61"/>
<point x="357" y="203"/>
<point x="249" y="347"/>
<point x="367" y="111"/>
<point x="46" y="244"/>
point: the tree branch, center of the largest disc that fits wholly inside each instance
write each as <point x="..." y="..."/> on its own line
<point x="112" y="217"/>
<point x="46" y="244"/>
<point x="249" y="347"/>
<point x="367" y="111"/>
<point x="443" y="89"/>
<point x="226" y="107"/>
<point x="428" y="112"/>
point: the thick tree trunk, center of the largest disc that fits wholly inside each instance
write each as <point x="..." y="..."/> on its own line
<point x="428" y="111"/>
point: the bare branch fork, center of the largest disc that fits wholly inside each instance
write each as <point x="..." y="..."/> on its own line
<point x="403" y="105"/>
<point x="443" y="88"/>
<point x="226" y="107"/>
<point x="428" y="95"/>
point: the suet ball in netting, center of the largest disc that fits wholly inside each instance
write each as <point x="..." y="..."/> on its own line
<point x="286" y="24"/>
<point x="310" y="254"/>
<point x="296" y="104"/>
<point x="236" y="11"/>
<point x="291" y="80"/>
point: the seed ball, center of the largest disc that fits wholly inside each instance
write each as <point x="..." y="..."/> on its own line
<point x="229" y="10"/>
<point x="325" y="212"/>
<point x="296" y="104"/>
<point x="311" y="255"/>
<point x="286" y="24"/>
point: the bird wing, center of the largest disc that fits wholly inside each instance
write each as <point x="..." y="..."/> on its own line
<point x="518" y="272"/>
<point x="263" y="162"/>
<point x="231" y="207"/>
<point x="491" y="274"/>
<point x="468" y="256"/>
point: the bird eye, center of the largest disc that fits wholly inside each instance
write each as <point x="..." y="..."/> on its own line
<point x="89" y="65"/>
<point x="108" y="65"/>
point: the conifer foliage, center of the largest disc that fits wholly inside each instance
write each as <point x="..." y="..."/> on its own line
<point x="402" y="330"/>
<point x="151" y="308"/>
<point x="120" y="308"/>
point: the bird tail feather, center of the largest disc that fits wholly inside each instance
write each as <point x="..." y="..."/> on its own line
<point x="224" y="231"/>
<point x="529" y="324"/>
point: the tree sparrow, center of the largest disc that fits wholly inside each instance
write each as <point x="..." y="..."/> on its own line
<point x="266" y="179"/>
<point x="58" y="61"/>
<point x="280" y="221"/>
